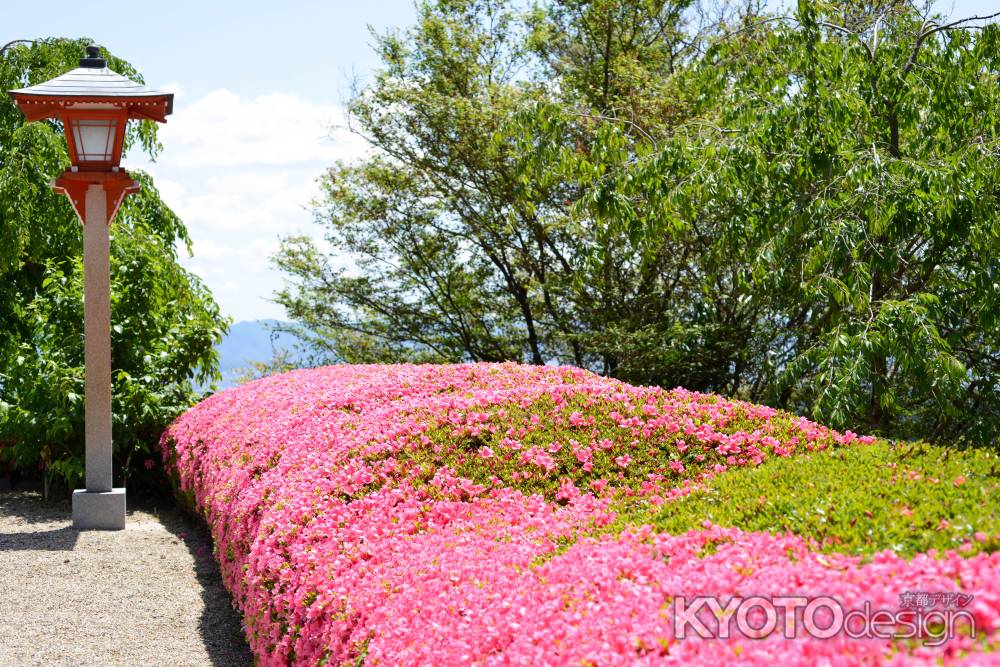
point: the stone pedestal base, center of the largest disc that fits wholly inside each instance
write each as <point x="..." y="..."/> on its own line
<point x="99" y="511"/>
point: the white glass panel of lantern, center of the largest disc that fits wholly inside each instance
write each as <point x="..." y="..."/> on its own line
<point x="94" y="139"/>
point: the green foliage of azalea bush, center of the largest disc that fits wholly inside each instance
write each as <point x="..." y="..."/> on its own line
<point x="550" y="444"/>
<point x="908" y="498"/>
<point x="799" y="209"/>
<point x="165" y="322"/>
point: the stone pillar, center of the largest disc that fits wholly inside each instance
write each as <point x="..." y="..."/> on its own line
<point x="97" y="340"/>
<point x="99" y="506"/>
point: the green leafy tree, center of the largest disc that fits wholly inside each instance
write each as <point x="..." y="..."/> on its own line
<point x="165" y="322"/>
<point x="462" y="243"/>
<point x="795" y="209"/>
<point x="438" y="222"/>
<point x="849" y="175"/>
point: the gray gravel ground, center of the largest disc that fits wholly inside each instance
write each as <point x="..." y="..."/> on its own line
<point x="149" y="595"/>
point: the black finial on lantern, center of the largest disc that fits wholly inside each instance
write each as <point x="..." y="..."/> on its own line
<point x="93" y="58"/>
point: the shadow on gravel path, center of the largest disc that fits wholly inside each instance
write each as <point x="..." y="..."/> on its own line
<point x="150" y="595"/>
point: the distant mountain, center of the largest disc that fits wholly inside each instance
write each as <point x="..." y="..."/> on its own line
<point x="247" y="342"/>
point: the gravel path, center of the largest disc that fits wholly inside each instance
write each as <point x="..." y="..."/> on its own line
<point x="148" y="595"/>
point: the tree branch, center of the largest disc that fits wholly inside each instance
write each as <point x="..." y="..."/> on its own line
<point x="954" y="25"/>
<point x="849" y="33"/>
<point x="3" y="49"/>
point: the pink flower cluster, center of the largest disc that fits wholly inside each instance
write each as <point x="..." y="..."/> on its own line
<point x="341" y="544"/>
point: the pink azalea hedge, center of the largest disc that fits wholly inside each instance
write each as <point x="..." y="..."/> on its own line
<point x="465" y="515"/>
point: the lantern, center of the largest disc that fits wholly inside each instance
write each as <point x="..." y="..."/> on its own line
<point x="94" y="105"/>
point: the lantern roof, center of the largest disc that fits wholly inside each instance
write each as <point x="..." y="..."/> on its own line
<point x="92" y="83"/>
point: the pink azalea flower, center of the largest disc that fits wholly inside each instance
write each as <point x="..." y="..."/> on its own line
<point x="344" y="532"/>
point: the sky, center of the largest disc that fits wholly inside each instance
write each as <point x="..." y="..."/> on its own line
<point x="258" y="91"/>
<point x="258" y="113"/>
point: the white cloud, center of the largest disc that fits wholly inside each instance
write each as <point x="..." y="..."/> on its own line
<point x="261" y="200"/>
<point x="240" y="172"/>
<point x="170" y="191"/>
<point x="224" y="129"/>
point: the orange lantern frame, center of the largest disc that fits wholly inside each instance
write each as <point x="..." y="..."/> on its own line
<point x="118" y="117"/>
